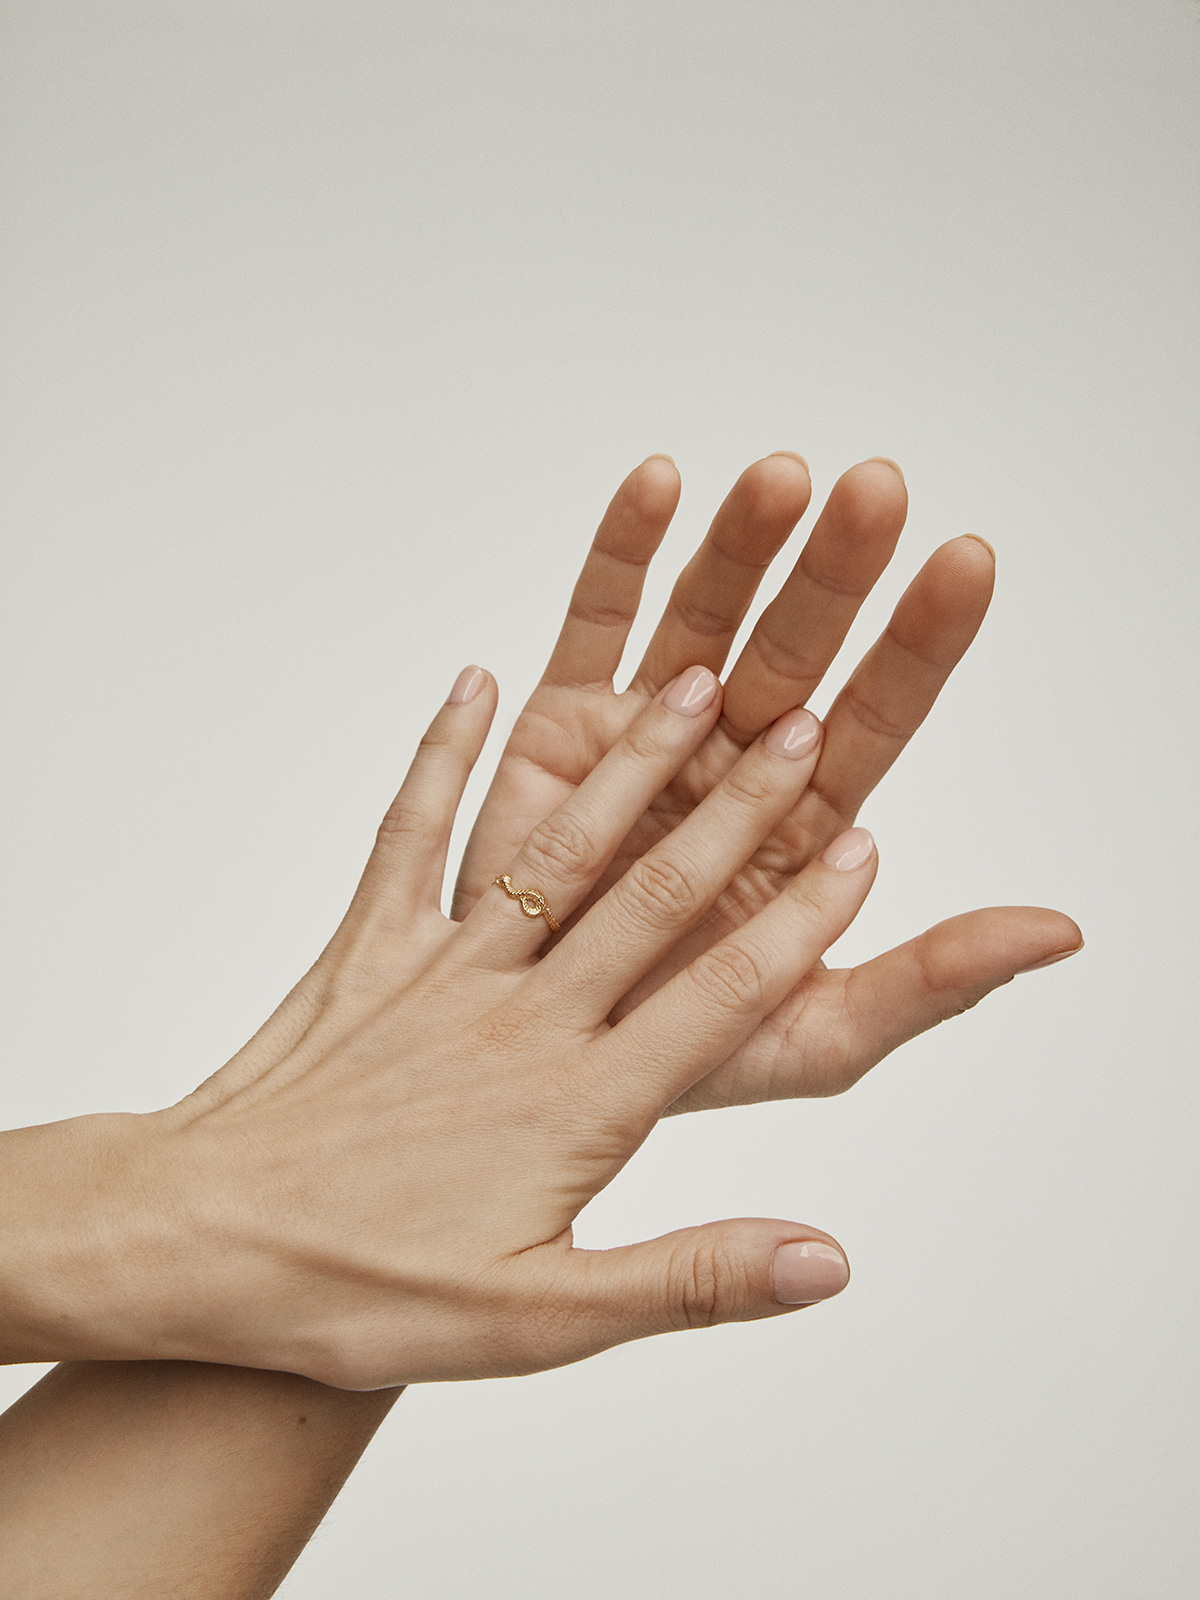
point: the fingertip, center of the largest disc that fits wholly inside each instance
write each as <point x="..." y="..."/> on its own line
<point x="958" y="580"/>
<point x="883" y="477"/>
<point x="467" y="685"/>
<point x="694" y="691"/>
<point x="849" y="851"/>
<point x="806" y="1271"/>
<point x="772" y="494"/>
<point x="656" y="484"/>
<point x="977" y="538"/>
<point x="872" y="493"/>
<point x="778" y="472"/>
<point x="794" y="735"/>
<point x="470" y="707"/>
<point x="1068" y="941"/>
<point x="962" y="569"/>
<point x="887" y="461"/>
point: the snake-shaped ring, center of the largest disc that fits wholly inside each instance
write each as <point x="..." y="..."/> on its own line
<point x="532" y="903"/>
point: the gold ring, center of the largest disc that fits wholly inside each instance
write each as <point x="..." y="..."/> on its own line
<point x="533" y="904"/>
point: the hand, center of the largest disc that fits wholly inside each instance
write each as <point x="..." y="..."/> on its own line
<point x="380" y="1187"/>
<point x="851" y="1019"/>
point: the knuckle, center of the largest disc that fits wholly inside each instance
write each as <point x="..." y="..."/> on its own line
<point x="812" y="901"/>
<point x="871" y="716"/>
<point x="502" y="1032"/>
<point x="735" y="974"/>
<point x="584" y="608"/>
<point x="748" y="785"/>
<point x="561" y="843"/>
<point x="704" y="620"/>
<point x="658" y="890"/>
<point x="404" y="820"/>
<point x="787" y="659"/>
<point x="434" y="743"/>
<point x="647" y="739"/>
<point x="709" y="1286"/>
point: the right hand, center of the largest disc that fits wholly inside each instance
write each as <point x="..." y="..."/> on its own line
<point x="835" y="1025"/>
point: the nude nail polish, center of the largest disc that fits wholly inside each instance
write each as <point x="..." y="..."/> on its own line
<point x="794" y="735"/>
<point x="805" y="1271"/>
<point x="466" y="686"/>
<point x="849" y="850"/>
<point x="691" y="692"/>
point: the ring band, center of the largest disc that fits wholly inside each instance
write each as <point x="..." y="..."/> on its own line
<point x="533" y="904"/>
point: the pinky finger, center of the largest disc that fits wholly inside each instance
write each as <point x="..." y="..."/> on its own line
<point x="404" y="874"/>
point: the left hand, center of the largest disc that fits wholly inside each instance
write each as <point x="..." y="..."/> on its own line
<point x="852" y="1018"/>
<point x="380" y="1187"/>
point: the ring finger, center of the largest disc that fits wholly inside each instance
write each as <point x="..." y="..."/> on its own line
<point x="565" y="854"/>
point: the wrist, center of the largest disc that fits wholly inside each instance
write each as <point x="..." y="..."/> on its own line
<point x="67" y="1219"/>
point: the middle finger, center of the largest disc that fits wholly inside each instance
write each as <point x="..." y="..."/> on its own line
<point x="669" y="889"/>
<point x="802" y="629"/>
<point x="714" y="591"/>
<point x="564" y="855"/>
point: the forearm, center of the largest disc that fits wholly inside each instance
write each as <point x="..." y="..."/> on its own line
<point x="157" y="1478"/>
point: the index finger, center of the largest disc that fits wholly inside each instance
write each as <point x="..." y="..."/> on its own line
<point x="608" y="591"/>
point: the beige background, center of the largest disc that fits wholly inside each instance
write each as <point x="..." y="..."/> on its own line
<point x="329" y="329"/>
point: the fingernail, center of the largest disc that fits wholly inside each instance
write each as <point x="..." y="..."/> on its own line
<point x="804" y="1272"/>
<point x="888" y="462"/>
<point x="849" y="850"/>
<point x="1048" y="961"/>
<point x="794" y="455"/>
<point x="979" y="539"/>
<point x="691" y="692"/>
<point x="794" y="735"/>
<point x="466" y="686"/>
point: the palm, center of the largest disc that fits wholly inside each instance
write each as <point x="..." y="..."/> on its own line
<point x="575" y="716"/>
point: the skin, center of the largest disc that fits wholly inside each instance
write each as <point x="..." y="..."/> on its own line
<point x="277" y="1475"/>
<point x="851" y="1019"/>
<point x="149" y="1480"/>
<point x="380" y="1188"/>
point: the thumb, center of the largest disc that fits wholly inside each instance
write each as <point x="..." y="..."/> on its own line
<point x="732" y="1271"/>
